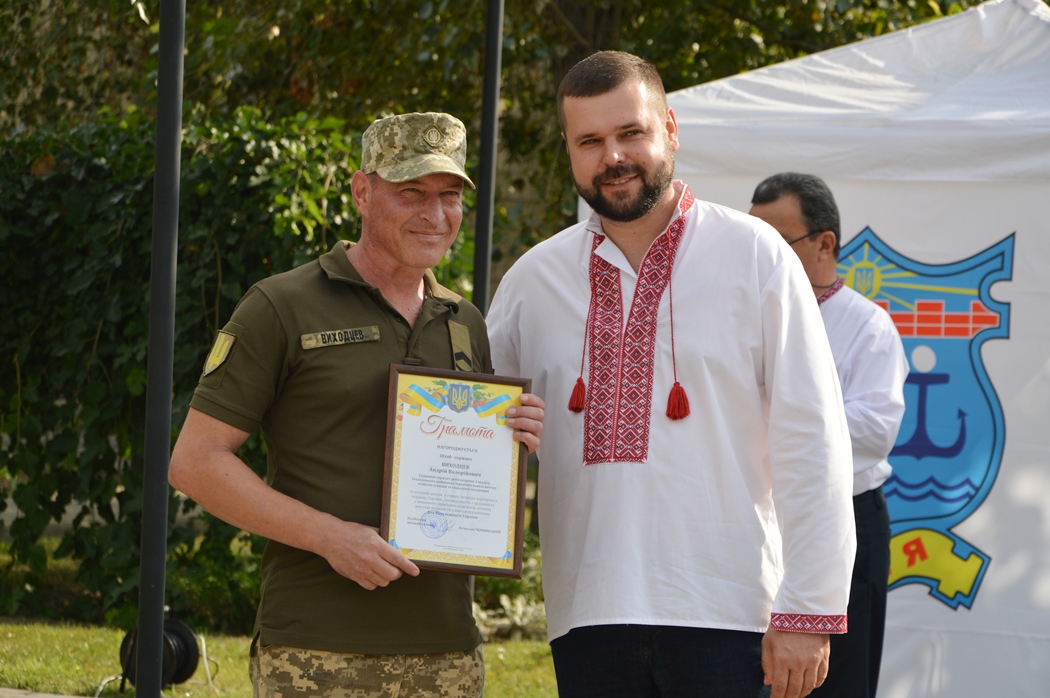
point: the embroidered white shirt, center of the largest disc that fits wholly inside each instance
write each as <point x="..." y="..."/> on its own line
<point x="740" y="514"/>
<point x="870" y="360"/>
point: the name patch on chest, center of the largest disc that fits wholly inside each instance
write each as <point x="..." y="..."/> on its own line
<point x="335" y="337"/>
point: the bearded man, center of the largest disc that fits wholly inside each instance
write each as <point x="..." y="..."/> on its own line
<point x="696" y="525"/>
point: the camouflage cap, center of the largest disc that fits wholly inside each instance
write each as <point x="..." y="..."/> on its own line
<point x="406" y="146"/>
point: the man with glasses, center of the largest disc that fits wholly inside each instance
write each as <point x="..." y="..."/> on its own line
<point x="870" y="361"/>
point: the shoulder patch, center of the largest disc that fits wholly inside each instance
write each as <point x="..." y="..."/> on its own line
<point x="219" y="351"/>
<point x="351" y="335"/>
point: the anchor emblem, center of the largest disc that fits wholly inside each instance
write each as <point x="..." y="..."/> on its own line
<point x="920" y="446"/>
<point x="950" y="444"/>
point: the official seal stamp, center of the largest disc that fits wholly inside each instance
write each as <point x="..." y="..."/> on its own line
<point x="433" y="524"/>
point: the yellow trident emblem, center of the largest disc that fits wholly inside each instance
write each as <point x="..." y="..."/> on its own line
<point x="219" y="351"/>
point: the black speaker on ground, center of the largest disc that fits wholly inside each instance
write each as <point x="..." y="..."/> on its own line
<point x="180" y="654"/>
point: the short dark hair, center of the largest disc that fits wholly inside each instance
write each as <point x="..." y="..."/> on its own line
<point x="603" y="72"/>
<point x="819" y="211"/>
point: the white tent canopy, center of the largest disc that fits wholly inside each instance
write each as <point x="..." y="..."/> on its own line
<point x="936" y="143"/>
<point x="889" y="108"/>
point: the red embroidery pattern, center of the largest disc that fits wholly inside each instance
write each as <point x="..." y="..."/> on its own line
<point x="835" y="288"/>
<point x="620" y="382"/>
<point x="808" y="623"/>
<point x="604" y="340"/>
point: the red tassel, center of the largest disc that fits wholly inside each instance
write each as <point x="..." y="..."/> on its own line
<point x="677" y="403"/>
<point x="578" y="393"/>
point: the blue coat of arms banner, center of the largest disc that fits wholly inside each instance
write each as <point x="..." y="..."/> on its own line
<point x="950" y="445"/>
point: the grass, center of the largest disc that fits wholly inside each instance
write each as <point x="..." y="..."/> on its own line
<point x="75" y="659"/>
<point x="57" y="585"/>
<point x="60" y="657"/>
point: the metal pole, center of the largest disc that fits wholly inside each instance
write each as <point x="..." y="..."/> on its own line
<point x="489" y="132"/>
<point x="160" y="350"/>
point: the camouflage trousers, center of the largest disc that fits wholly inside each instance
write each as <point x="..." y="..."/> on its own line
<point x="289" y="672"/>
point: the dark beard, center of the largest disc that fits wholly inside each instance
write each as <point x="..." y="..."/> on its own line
<point x="654" y="186"/>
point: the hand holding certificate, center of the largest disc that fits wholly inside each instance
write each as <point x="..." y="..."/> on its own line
<point x="454" y="480"/>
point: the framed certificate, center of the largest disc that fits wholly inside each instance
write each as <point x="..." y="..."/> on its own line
<point x="454" y="477"/>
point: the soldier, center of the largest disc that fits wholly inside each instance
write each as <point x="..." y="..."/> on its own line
<point x="305" y="357"/>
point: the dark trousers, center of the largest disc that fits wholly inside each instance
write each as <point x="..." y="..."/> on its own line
<point x="651" y="661"/>
<point x="855" y="656"/>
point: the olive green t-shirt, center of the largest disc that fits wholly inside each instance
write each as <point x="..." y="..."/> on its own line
<point x="306" y="357"/>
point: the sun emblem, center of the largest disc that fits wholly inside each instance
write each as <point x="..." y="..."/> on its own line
<point x="433" y="136"/>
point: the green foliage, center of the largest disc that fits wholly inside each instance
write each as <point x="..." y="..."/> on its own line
<point x="75" y="221"/>
<point x="359" y="60"/>
<point x="209" y="588"/>
<point x="487" y="590"/>
<point x="68" y="57"/>
<point x="513" y="608"/>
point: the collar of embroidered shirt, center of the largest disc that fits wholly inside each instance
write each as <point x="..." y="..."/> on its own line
<point x="608" y="250"/>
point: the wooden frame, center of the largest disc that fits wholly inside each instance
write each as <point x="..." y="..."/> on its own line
<point x="453" y="476"/>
